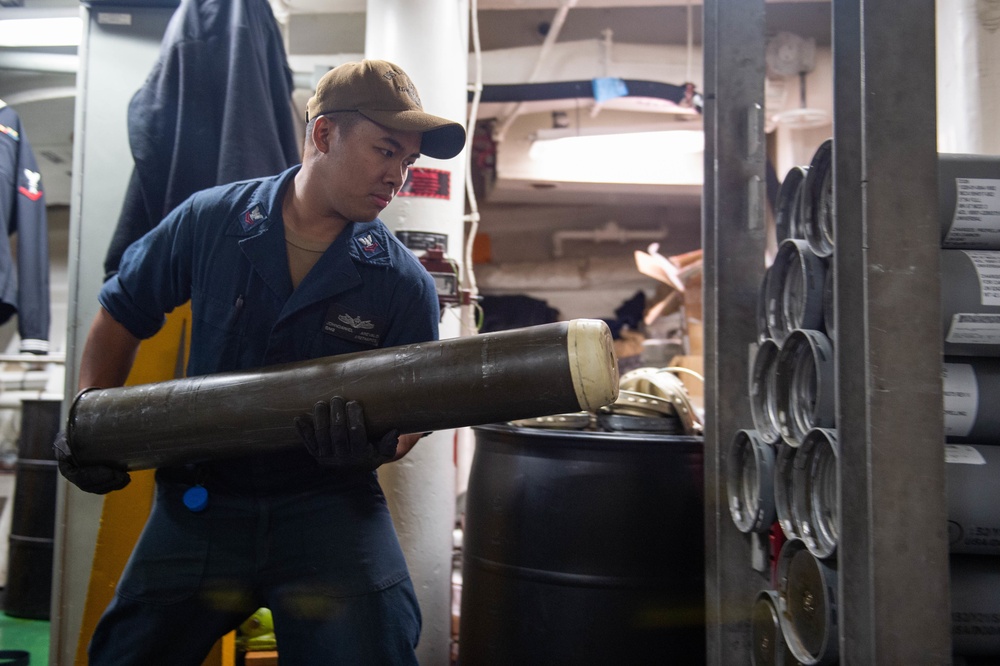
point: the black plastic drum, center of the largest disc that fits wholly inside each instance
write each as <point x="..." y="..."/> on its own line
<point x="583" y="548"/>
<point x="30" y="544"/>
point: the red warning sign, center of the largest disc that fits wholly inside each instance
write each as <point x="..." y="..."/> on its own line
<point x="429" y="183"/>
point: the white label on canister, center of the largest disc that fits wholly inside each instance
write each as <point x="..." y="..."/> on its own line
<point x="976" y="222"/>
<point x="963" y="454"/>
<point x="974" y="329"/>
<point x="961" y="399"/>
<point x="988" y="268"/>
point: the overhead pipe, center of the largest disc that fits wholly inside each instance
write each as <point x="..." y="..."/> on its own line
<point x="498" y="93"/>
<point x="611" y="232"/>
<point x="550" y="38"/>
<point x="551" y="90"/>
<point x="607" y="44"/>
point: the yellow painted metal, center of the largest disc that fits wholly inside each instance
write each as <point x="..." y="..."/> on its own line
<point x="162" y="357"/>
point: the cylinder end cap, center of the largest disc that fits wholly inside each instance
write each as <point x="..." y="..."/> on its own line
<point x="593" y="364"/>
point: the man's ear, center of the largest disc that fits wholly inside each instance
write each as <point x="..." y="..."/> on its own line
<point x="323" y="134"/>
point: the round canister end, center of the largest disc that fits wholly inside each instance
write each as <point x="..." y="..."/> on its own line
<point x="593" y="365"/>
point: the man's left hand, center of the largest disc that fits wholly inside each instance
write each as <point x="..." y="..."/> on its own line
<point x="97" y="479"/>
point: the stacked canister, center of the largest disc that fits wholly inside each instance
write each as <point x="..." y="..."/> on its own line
<point x="969" y="208"/>
<point x="782" y="473"/>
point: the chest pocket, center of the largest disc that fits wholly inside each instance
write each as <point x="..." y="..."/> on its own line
<point x="217" y="332"/>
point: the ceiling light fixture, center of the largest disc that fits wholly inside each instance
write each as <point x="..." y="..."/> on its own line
<point x="53" y="31"/>
<point x="673" y="157"/>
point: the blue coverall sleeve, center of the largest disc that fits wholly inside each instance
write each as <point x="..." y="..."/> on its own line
<point x="155" y="274"/>
<point x="417" y="314"/>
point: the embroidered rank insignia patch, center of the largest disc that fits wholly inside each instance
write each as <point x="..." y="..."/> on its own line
<point x="30" y="187"/>
<point x="253" y="217"/>
<point x="369" y="245"/>
<point x="348" y="325"/>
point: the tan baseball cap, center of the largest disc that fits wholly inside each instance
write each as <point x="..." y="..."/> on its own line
<point x="382" y="92"/>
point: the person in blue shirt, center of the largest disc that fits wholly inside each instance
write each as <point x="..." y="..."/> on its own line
<point x="280" y="269"/>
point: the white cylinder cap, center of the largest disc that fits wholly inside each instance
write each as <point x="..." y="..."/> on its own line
<point x="593" y="365"/>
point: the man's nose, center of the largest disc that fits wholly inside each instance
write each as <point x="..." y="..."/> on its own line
<point x="397" y="175"/>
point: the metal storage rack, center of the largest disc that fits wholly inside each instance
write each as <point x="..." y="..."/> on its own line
<point x="893" y="593"/>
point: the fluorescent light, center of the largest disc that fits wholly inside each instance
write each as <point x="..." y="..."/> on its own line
<point x="55" y="31"/>
<point x="673" y="157"/>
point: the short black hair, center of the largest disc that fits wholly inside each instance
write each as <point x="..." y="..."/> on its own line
<point x="347" y="120"/>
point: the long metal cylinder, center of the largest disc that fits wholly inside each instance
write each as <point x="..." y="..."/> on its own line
<point x="807" y="588"/>
<point x="805" y="385"/>
<point x="750" y="482"/>
<point x="810" y="611"/>
<point x="829" y="312"/>
<point x="763" y="332"/>
<point x="971" y="393"/>
<point x="975" y="607"/>
<point x="815" y="505"/>
<point x="970" y="302"/>
<point x="795" y="290"/>
<point x="817" y="201"/>
<point x="769" y="646"/>
<point x="788" y="216"/>
<point x="522" y="373"/>
<point x="972" y="479"/>
<point x="969" y="201"/>
<point x="784" y="468"/>
<point x="763" y="391"/>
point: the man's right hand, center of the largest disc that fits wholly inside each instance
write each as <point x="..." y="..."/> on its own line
<point x="97" y="479"/>
<point x="335" y="435"/>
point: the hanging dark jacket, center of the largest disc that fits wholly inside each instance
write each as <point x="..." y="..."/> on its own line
<point x="24" y="289"/>
<point x="216" y="108"/>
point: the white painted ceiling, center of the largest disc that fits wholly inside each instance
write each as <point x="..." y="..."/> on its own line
<point x="41" y="82"/>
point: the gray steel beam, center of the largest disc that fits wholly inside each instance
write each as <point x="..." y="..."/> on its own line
<point x="892" y="558"/>
<point x="733" y="243"/>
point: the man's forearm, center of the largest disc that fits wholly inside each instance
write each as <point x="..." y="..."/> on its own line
<point x="108" y="353"/>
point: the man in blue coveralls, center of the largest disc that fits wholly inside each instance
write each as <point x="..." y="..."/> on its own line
<point x="271" y="267"/>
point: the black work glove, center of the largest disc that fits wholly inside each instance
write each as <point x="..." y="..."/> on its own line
<point x="335" y="435"/>
<point x="97" y="479"/>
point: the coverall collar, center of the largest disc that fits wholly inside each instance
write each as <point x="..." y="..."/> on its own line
<point x="262" y="229"/>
